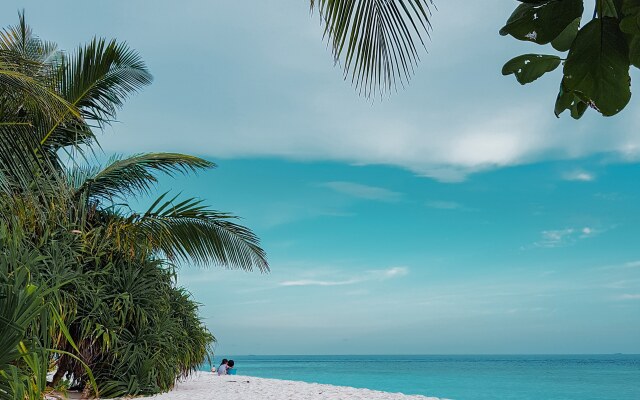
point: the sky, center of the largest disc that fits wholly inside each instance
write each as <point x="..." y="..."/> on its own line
<point x="457" y="215"/>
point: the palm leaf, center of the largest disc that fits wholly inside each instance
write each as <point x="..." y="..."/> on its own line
<point x="376" y="39"/>
<point x="97" y="79"/>
<point x="27" y="66"/>
<point x="20" y="86"/>
<point x="100" y="76"/>
<point x="23" y="163"/>
<point x="132" y="175"/>
<point x="21" y="40"/>
<point x="189" y="231"/>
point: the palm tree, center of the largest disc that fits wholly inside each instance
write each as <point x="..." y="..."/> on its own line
<point x="51" y="105"/>
<point x="91" y="85"/>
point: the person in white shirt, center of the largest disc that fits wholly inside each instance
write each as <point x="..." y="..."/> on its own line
<point x="222" y="369"/>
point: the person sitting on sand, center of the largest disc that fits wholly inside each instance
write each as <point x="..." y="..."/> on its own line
<point x="230" y="367"/>
<point x="222" y="369"/>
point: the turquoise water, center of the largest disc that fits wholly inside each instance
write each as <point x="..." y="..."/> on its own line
<point x="526" y="377"/>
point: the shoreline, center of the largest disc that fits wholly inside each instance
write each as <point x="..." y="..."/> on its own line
<point x="206" y="385"/>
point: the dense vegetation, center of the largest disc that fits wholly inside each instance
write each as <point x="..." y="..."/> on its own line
<point x="87" y="285"/>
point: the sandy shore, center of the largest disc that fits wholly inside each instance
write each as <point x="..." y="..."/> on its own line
<point x="206" y="385"/>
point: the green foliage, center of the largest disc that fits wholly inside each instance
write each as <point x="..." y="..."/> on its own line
<point x="157" y="332"/>
<point x="600" y="53"/>
<point x="565" y="39"/>
<point x="542" y="21"/>
<point x="29" y="319"/>
<point x="604" y="84"/>
<point x="188" y="230"/>
<point x="87" y="284"/>
<point x="529" y="67"/>
<point x="137" y="337"/>
<point x="630" y="26"/>
<point x="133" y="175"/>
<point x="21" y="303"/>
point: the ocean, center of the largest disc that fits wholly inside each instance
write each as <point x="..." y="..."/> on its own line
<point x="457" y="377"/>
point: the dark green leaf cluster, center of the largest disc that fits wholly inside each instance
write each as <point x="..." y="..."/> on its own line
<point x="120" y="317"/>
<point x="31" y="298"/>
<point x="600" y="52"/>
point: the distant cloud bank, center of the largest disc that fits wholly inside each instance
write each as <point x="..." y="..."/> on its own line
<point x="373" y="275"/>
<point x="363" y="191"/>
<point x="581" y="176"/>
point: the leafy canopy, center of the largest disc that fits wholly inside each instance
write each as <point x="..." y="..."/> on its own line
<point x="599" y="53"/>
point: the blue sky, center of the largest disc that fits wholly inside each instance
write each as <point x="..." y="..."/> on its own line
<point x="455" y="216"/>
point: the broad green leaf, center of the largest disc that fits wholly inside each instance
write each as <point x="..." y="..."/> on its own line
<point x="563" y="101"/>
<point x="610" y="8"/>
<point x="529" y="67"/>
<point x="631" y="24"/>
<point x="578" y="109"/>
<point x="541" y="23"/>
<point x="630" y="7"/>
<point x="564" y="41"/>
<point x="634" y="50"/>
<point x="598" y="66"/>
<point x="568" y="100"/>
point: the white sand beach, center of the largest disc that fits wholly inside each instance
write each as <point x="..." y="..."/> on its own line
<point x="205" y="385"/>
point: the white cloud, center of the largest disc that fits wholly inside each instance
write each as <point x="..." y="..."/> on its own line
<point x="565" y="237"/>
<point x="620" y="284"/>
<point x="363" y="191"/>
<point x="394" y="272"/>
<point x="456" y="117"/>
<point x="628" y="296"/>
<point x="555" y="238"/>
<point x="587" y="231"/>
<point x="578" y="175"/>
<point x="611" y="196"/>
<point x="373" y="275"/>
<point x="358" y="292"/>
<point x="632" y="264"/>
<point x="312" y="282"/>
<point x="444" y="205"/>
<point x="622" y="266"/>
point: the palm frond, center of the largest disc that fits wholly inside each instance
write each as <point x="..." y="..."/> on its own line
<point x="132" y="175"/>
<point x="20" y="86"/>
<point x="27" y="66"/>
<point x="100" y="76"/>
<point x="377" y="40"/>
<point x="97" y="79"/>
<point x="21" y="40"/>
<point x="23" y="163"/>
<point x="188" y="231"/>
